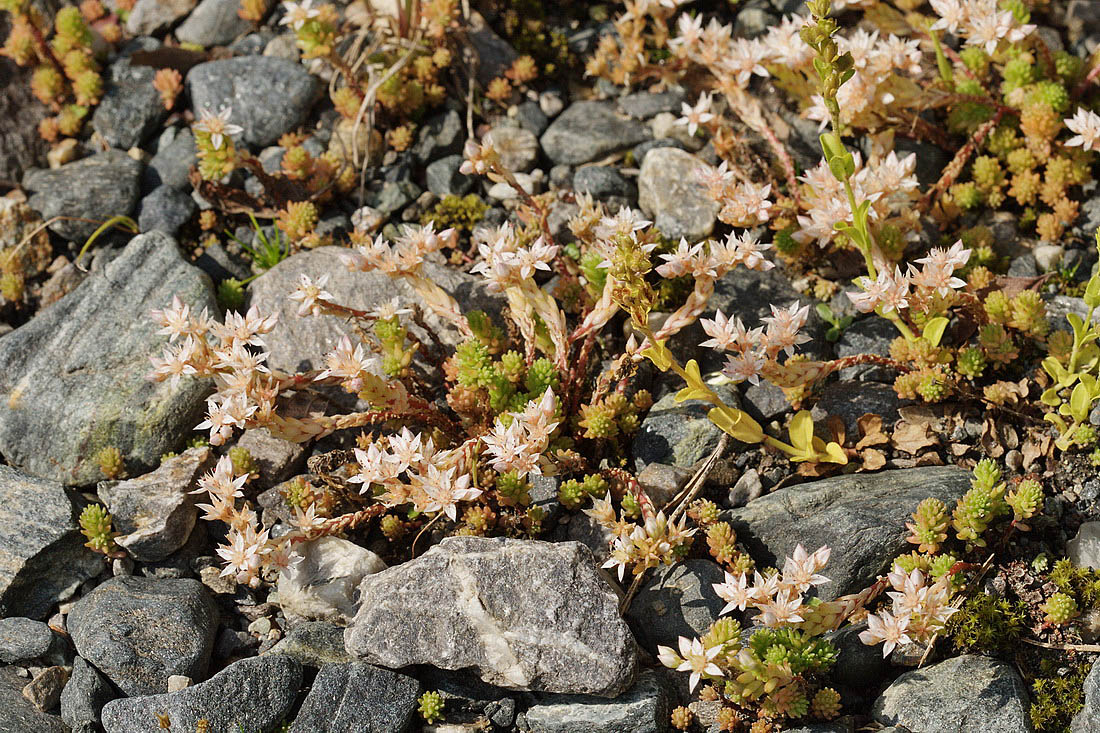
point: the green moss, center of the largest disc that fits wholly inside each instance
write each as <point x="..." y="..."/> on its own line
<point x="1057" y="695"/>
<point x="457" y="212"/>
<point x="986" y="624"/>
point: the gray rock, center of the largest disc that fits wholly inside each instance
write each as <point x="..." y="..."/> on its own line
<point x="1084" y="548"/>
<point x="219" y="263"/>
<point x="155" y="513"/>
<point x="518" y="148"/>
<point x="662" y="482"/>
<point x="867" y="336"/>
<point x="679" y="434"/>
<point x="861" y="517"/>
<point x="19" y="715"/>
<point x="1023" y="266"/>
<point x="248" y="85"/>
<point x="140" y="631"/>
<point x="1048" y="256"/>
<point x="42" y="553"/>
<point x="276" y="459"/>
<point x="851" y="400"/>
<point x="858" y="666"/>
<point x="313" y="644"/>
<point x="468" y="700"/>
<point x="967" y="694"/>
<point x="149" y="16"/>
<point x="531" y="117"/>
<point x="360" y="697"/>
<point x="301" y="343"/>
<point x="494" y="53"/>
<point x="389" y="197"/>
<point x="643" y="105"/>
<point x="23" y="639"/>
<point x="165" y="210"/>
<point x="644" y="708"/>
<point x="677" y="600"/>
<point x="213" y="23"/>
<point x="552" y="102"/>
<point x="642" y="149"/>
<point x="443" y="178"/>
<point x="931" y="159"/>
<point x="1081" y="19"/>
<point x="252" y="695"/>
<point x="172" y="163"/>
<point x="44" y="689"/>
<point x="563" y="634"/>
<point x="670" y="193"/>
<point x="21" y="147"/>
<point x="590" y="130"/>
<point x="1088" y="719"/>
<point x="73" y="379"/>
<point x="84" y="697"/>
<point x="440" y="136"/>
<point x="748" y="488"/>
<point x="322" y="585"/>
<point x="602" y="181"/>
<point x="97" y="187"/>
<point x="765" y="401"/>
<point x="131" y="108"/>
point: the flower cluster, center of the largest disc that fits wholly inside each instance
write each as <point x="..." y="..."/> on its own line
<point x="982" y="23"/>
<point x="891" y="290"/>
<point x="918" y="611"/>
<point x="656" y="541"/>
<point x="754" y="348"/>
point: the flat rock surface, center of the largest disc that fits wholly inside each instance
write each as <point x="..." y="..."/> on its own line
<point x="96" y="188"/>
<point x="670" y="193"/>
<point x="861" y="517"/>
<point x="139" y="631"/>
<point x="22" y="639"/>
<point x="563" y="634"/>
<point x="42" y="553"/>
<point x="253" y="695"/>
<point x="358" y="697"/>
<point x="644" y="708"/>
<point x="590" y="130"/>
<point x="73" y="379"/>
<point x="268" y="96"/>
<point x="967" y="694"/>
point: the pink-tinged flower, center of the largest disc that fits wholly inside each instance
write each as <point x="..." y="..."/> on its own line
<point x="692" y="658"/>
<point x="444" y="491"/>
<point x="621" y="556"/>
<point x="745" y="366"/>
<point x="781" y="610"/>
<point x="309" y="293"/>
<point x="298" y="14"/>
<point x="695" y="116"/>
<point x="782" y="333"/>
<point x="218" y="126"/>
<point x="727" y="334"/>
<point x="952" y="13"/>
<point x="176" y="362"/>
<point x="885" y="627"/>
<point x="1086" y="126"/>
<point x="736" y="592"/>
<point x="889" y="290"/>
<point x="800" y="570"/>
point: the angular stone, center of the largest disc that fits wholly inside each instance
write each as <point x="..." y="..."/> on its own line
<point x="44" y="689"/>
<point x="84" y="697"/>
<point x="249" y="85"/>
<point x="1088" y="719"/>
<point x="967" y="694"/>
<point x="590" y="130"/>
<point x="861" y="517"/>
<point x="213" y="23"/>
<point x="131" y="107"/>
<point x="670" y="193"/>
<point x="253" y="695"/>
<point x="852" y="400"/>
<point x="20" y="144"/>
<point x="95" y="188"/>
<point x="563" y="634"/>
<point x="172" y="163"/>
<point x="518" y="148"/>
<point x="677" y="600"/>
<point x="602" y="181"/>
<point x="679" y="434"/>
<point x="165" y="210"/>
<point x="440" y="136"/>
<point x="23" y="639"/>
<point x="42" y="553"/>
<point x="301" y="343"/>
<point x="643" y="105"/>
<point x="140" y="631"/>
<point x="313" y="644"/>
<point x="276" y="459"/>
<point x="155" y="513"/>
<point x="149" y="16"/>
<point x="1084" y="548"/>
<point x="19" y="715"/>
<point x="644" y="708"/>
<point x="494" y="53"/>
<point x="73" y="379"/>
<point x="323" y="585"/>
<point x="443" y="178"/>
<point x="358" y="696"/>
